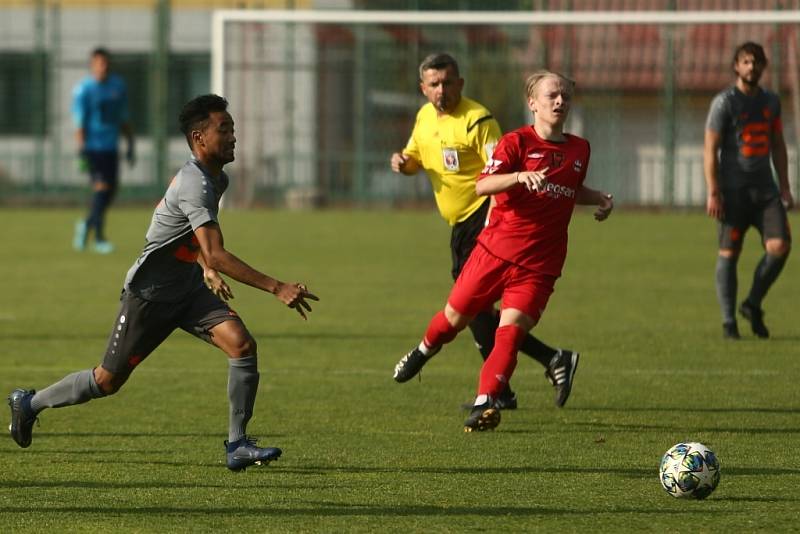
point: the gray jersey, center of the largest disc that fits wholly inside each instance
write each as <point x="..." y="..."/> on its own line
<point x="167" y="269"/>
<point x="747" y="125"/>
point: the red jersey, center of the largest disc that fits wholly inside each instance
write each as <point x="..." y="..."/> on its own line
<point x="530" y="228"/>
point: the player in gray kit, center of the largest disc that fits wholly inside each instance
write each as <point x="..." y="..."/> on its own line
<point x="175" y="283"/>
<point x="743" y="136"/>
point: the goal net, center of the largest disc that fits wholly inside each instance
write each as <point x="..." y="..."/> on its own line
<point x="322" y="98"/>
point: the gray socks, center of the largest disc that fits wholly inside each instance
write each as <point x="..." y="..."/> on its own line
<point x="765" y="275"/>
<point x="242" y="388"/>
<point x="75" y="388"/>
<point x="726" y="287"/>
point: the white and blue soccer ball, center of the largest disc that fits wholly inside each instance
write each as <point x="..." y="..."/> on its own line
<point x="689" y="470"/>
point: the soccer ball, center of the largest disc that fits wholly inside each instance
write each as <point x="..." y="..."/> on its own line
<point x="689" y="470"/>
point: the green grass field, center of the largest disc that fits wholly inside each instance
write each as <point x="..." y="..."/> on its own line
<point x="362" y="453"/>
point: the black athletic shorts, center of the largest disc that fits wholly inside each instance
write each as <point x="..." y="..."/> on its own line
<point x="142" y="325"/>
<point x="465" y="236"/>
<point x="752" y="206"/>
<point x="103" y="167"/>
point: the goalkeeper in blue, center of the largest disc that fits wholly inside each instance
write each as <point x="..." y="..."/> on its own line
<point x="100" y="113"/>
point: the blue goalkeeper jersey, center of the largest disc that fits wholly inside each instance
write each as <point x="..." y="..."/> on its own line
<point x="100" y="108"/>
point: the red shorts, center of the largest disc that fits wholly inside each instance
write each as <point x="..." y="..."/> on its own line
<point x="486" y="279"/>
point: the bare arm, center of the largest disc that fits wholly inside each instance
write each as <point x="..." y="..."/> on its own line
<point x="497" y="183"/>
<point x="714" y="206"/>
<point x="214" y="281"/>
<point x="781" y="162"/>
<point x="217" y="258"/>
<point x="592" y="197"/>
<point x="405" y="164"/>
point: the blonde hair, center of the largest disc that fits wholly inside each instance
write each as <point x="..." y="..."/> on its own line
<point x="533" y="81"/>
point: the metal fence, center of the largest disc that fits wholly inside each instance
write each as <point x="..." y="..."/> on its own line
<point x="321" y="106"/>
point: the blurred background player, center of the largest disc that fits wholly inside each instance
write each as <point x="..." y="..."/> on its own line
<point x="100" y="113"/>
<point x="452" y="140"/>
<point x="520" y="253"/>
<point x="175" y="283"/>
<point x="743" y="134"/>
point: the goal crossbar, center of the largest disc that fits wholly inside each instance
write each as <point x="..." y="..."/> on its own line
<point x="517" y="18"/>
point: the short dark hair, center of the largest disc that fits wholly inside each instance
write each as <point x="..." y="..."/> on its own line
<point x="195" y="113"/>
<point x="438" y="61"/>
<point x="754" y="49"/>
<point x="101" y="51"/>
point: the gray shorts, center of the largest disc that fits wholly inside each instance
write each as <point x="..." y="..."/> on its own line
<point x="752" y="206"/>
<point x="142" y="325"/>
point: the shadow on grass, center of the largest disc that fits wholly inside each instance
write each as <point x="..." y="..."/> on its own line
<point x="315" y="508"/>
<point x="682" y="409"/>
<point x="630" y="472"/>
<point x="155" y="484"/>
<point x="149" y="435"/>
<point x="103" y="336"/>
<point x="619" y="427"/>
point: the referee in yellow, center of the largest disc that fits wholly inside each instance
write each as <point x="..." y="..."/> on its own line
<point x="452" y="140"/>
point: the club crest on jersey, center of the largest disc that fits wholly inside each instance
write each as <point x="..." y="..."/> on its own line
<point x="577" y="165"/>
<point x="450" y="159"/>
<point x="557" y="159"/>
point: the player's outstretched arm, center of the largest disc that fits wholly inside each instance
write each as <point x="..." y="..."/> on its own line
<point x="592" y="197"/>
<point x="497" y="183"/>
<point x="212" y="248"/>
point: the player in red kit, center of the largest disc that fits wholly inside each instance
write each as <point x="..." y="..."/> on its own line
<point x="536" y="174"/>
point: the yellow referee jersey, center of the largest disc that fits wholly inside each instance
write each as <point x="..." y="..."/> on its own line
<point x="453" y="150"/>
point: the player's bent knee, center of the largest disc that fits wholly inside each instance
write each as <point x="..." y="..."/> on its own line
<point x="108" y="382"/>
<point x="249" y="347"/>
<point x="243" y="345"/>
<point x="729" y="253"/>
<point x="456" y="319"/>
<point x="777" y="247"/>
<point x="514" y="317"/>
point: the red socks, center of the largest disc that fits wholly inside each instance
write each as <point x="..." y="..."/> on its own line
<point x="439" y="331"/>
<point x="499" y="366"/>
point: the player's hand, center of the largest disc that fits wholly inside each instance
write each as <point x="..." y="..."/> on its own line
<point x="533" y="180"/>
<point x="787" y="199"/>
<point x="130" y="155"/>
<point x="399" y="161"/>
<point x="217" y="284"/>
<point x="714" y="206"/>
<point x="605" y="207"/>
<point x="294" y="296"/>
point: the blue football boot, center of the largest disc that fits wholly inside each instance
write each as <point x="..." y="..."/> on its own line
<point x="243" y="453"/>
<point x="22" y="416"/>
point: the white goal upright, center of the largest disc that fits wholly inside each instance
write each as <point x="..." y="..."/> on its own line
<point x="322" y="98"/>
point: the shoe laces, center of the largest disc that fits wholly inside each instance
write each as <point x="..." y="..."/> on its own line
<point x="250" y="441"/>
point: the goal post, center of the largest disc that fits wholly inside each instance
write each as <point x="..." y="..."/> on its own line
<point x="322" y="98"/>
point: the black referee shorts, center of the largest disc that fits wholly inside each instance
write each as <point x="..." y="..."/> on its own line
<point x="142" y="325"/>
<point x="752" y="206"/>
<point x="465" y="235"/>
